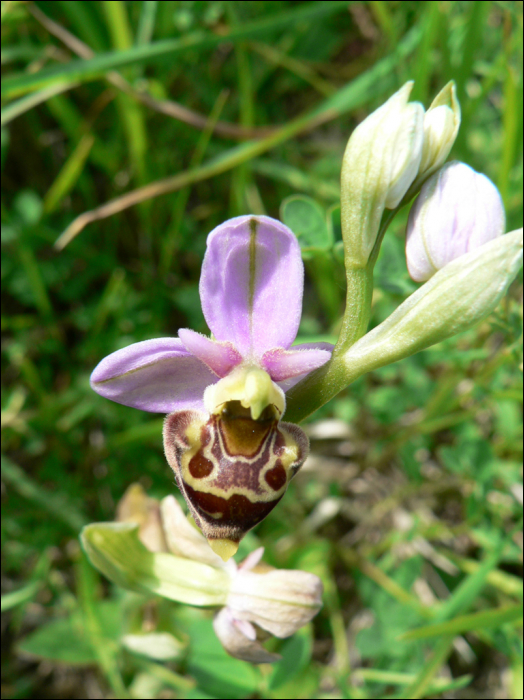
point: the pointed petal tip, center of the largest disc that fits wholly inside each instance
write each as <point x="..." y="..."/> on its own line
<point x="224" y="548"/>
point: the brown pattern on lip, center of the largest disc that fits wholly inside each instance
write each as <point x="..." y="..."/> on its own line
<point x="232" y="470"/>
<point x="200" y="466"/>
<point x="237" y="514"/>
<point x="276" y="477"/>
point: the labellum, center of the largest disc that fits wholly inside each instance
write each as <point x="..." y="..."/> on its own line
<point x="232" y="469"/>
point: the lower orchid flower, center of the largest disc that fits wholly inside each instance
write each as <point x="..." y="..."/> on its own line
<point x="232" y="455"/>
<point x="154" y="549"/>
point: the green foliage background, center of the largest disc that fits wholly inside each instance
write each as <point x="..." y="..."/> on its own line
<point x="411" y="507"/>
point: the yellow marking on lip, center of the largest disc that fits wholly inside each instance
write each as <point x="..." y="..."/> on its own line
<point x="224" y="548"/>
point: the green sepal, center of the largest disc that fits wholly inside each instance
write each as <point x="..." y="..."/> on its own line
<point x="116" y="551"/>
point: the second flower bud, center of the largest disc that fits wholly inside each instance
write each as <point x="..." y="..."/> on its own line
<point x="456" y="211"/>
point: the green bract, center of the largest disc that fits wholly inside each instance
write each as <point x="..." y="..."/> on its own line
<point x="457" y="297"/>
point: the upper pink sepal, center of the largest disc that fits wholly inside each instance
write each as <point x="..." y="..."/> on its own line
<point x="251" y="284"/>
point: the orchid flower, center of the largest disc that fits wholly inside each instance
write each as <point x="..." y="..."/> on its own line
<point x="231" y="454"/>
<point x="154" y="549"/>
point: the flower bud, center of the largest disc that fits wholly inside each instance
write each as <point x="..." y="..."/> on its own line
<point x="280" y="602"/>
<point x="456" y="211"/>
<point x="441" y="125"/>
<point x="381" y="161"/>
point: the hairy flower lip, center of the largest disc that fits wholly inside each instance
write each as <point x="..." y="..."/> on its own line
<point x="251" y="291"/>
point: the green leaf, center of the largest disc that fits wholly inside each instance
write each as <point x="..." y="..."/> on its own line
<point x="307" y="219"/>
<point x="60" y="640"/>
<point x="296" y="655"/>
<point x="215" y="671"/>
<point x="67" y="639"/>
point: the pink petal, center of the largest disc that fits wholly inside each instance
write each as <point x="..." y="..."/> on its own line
<point x="284" y="364"/>
<point x="159" y="376"/>
<point x="239" y="644"/>
<point x="251" y="284"/>
<point x="219" y="357"/>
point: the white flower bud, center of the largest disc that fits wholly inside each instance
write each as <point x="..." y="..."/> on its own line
<point x="381" y="161"/>
<point x="441" y="125"/>
<point x="116" y="551"/>
<point x="456" y="211"/>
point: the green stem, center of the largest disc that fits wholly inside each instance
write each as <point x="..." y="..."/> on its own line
<point x="327" y="381"/>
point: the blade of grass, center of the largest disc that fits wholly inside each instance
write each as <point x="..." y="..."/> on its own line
<point x="431" y="35"/>
<point x="353" y="560"/>
<point x="22" y="595"/>
<point x="94" y="68"/>
<point x="75" y="124"/>
<point x="379" y="79"/>
<point x="111" y="296"/>
<point x="131" y="114"/>
<point x="169" y="244"/>
<point x="298" y="68"/>
<point x="242" y="178"/>
<point x="468" y="623"/>
<point x="85" y="19"/>
<point x="24" y="104"/>
<point x="297" y="179"/>
<point x="32" y="271"/>
<point x="146" y="22"/>
<point x="152" y="430"/>
<point x="399" y="678"/>
<point x="467" y="591"/>
<point x="506" y="583"/>
<point x="118" y="24"/>
<point x="167" y="107"/>
<point x="69" y="174"/>
<point x="105" y="649"/>
<point x="384" y="19"/>
<point x="473" y="38"/>
<point x="28" y="592"/>
<point x="419" y="687"/>
<point x="510" y="129"/>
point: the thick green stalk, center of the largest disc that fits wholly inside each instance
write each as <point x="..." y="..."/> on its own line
<point x="327" y="381"/>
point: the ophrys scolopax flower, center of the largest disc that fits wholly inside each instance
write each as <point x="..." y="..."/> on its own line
<point x="231" y="454"/>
